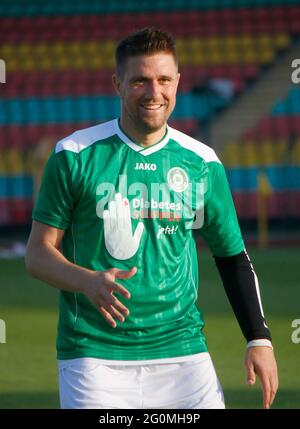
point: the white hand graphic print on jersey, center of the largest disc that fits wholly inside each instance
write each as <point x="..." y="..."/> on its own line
<point x="120" y="242"/>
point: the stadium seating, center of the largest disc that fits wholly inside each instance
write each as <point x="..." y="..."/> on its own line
<point x="60" y="58"/>
<point x="273" y="147"/>
<point x="71" y="7"/>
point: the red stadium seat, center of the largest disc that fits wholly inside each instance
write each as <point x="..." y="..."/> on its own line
<point x="250" y="71"/>
<point x="295" y="125"/>
<point x="264" y="129"/>
<point x="19" y="209"/>
<point x="280" y="204"/>
<point x="246" y="204"/>
<point x="281" y="126"/>
<point x="188" y="126"/>
<point x="5" y="217"/>
<point x="249" y="135"/>
<point x="295" y="204"/>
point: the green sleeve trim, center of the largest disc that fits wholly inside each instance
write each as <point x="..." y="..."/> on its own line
<point x="50" y="221"/>
<point x="232" y="252"/>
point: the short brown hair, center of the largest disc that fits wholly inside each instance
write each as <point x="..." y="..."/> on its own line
<point x="146" y="41"/>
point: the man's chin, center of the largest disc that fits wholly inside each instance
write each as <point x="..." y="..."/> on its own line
<point x="153" y="126"/>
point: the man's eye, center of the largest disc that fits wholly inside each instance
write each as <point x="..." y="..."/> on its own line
<point x="165" y="80"/>
<point x="138" y="82"/>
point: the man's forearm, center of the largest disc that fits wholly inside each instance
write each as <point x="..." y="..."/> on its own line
<point x="242" y="289"/>
<point x="48" y="264"/>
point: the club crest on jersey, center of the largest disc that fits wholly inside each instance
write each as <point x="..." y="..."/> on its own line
<point x="145" y="166"/>
<point x="177" y="179"/>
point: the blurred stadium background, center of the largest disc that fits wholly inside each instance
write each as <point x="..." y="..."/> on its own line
<point x="236" y="95"/>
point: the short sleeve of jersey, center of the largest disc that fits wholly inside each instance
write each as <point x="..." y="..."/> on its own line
<point x="221" y="230"/>
<point x="56" y="195"/>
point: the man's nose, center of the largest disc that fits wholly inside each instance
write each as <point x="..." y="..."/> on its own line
<point x="152" y="90"/>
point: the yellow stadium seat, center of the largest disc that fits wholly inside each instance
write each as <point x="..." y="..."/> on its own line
<point x="56" y="49"/>
<point x="2" y="162"/>
<point x="110" y="62"/>
<point x="109" y="46"/>
<point x="249" y="156"/>
<point x="196" y="42"/>
<point x="46" y="63"/>
<point x="265" y="49"/>
<point x="295" y="153"/>
<point x="189" y="50"/>
<point x="74" y="48"/>
<point x="249" y="56"/>
<point x="230" y="43"/>
<point x="95" y="62"/>
<point x="107" y="52"/>
<point x="193" y="46"/>
<point x="6" y="51"/>
<point x="14" y="162"/>
<point x="215" y="57"/>
<point x="185" y="58"/>
<point x="281" y="40"/>
<point x="40" y="49"/>
<point x="24" y="50"/>
<point x="30" y="162"/>
<point x="91" y="48"/>
<point x="28" y="64"/>
<point x="281" y="150"/>
<point x="78" y="62"/>
<point x="266" y="55"/>
<point x="246" y="42"/>
<point x="213" y="43"/>
<point x="63" y="63"/>
<point x="231" y="154"/>
<point x="267" y="153"/>
<point x="180" y="44"/>
<point x="231" y="56"/>
<point x="12" y="64"/>
<point x="264" y="40"/>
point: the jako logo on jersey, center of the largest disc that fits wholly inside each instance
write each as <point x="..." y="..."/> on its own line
<point x="178" y="179"/>
<point x="142" y="166"/>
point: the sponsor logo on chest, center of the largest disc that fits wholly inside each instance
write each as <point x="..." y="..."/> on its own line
<point x="145" y="166"/>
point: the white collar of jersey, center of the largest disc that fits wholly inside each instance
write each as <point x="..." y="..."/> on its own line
<point x="143" y="151"/>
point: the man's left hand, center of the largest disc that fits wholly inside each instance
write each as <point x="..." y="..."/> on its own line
<point x="260" y="360"/>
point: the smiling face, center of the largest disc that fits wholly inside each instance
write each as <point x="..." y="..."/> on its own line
<point x="147" y="89"/>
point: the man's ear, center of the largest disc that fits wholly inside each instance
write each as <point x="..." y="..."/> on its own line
<point x="178" y="79"/>
<point x="116" y="84"/>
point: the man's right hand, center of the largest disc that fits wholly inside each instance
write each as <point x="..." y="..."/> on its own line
<point x="101" y="293"/>
<point x="45" y="261"/>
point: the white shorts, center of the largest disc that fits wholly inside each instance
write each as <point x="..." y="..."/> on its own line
<point x="193" y="384"/>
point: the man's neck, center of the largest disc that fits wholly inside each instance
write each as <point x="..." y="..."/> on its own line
<point x="145" y="140"/>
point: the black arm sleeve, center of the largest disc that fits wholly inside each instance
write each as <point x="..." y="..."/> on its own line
<point x="241" y="286"/>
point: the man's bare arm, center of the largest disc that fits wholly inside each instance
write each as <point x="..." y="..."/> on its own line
<point x="45" y="261"/>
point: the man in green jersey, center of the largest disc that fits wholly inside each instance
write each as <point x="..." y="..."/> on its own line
<point x="114" y="228"/>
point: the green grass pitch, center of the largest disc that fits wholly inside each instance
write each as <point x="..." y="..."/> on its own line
<point x="28" y="376"/>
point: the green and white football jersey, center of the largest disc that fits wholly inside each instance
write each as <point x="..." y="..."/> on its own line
<point x="123" y="205"/>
